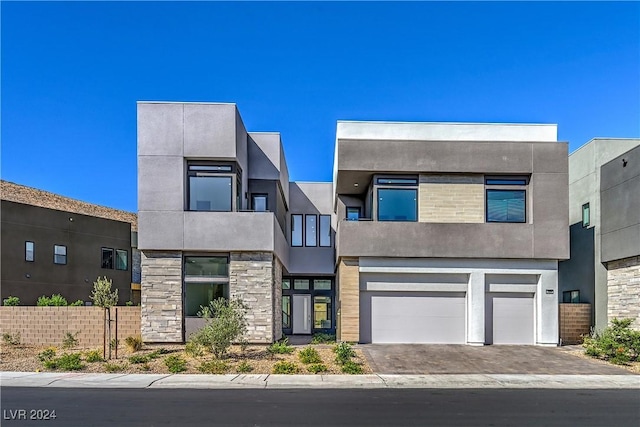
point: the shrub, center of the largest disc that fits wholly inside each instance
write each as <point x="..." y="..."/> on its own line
<point x="128" y="303"/>
<point x="317" y="368"/>
<point x="617" y="343"/>
<point x="78" y="303"/>
<point x="193" y="349"/>
<point x="175" y="363"/>
<point x="70" y="340"/>
<point x="114" y="342"/>
<point x="66" y="362"/>
<point x="322" y="338"/>
<point x="56" y="300"/>
<point x="351" y="367"/>
<point x="244" y="367"/>
<point x="114" y="367"/>
<point x="11" y="339"/>
<point x="102" y="296"/>
<point x="344" y="352"/>
<point x="226" y="323"/>
<point x="309" y="355"/>
<point x="93" y="356"/>
<point x="213" y="367"/>
<point x="11" y="301"/>
<point x="139" y="359"/>
<point x="133" y="343"/>
<point x="280" y="347"/>
<point x="47" y="354"/>
<point x="145" y="367"/>
<point x="284" y="367"/>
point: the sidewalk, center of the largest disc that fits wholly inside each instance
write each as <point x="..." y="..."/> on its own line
<point x="184" y="381"/>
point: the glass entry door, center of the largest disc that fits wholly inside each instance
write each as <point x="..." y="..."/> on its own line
<point x="302" y="314"/>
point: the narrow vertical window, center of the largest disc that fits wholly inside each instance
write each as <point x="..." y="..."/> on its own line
<point x="29" y="251"/>
<point x="586" y="215"/>
<point x="59" y="254"/>
<point x="311" y="229"/>
<point x="259" y="202"/>
<point x="107" y="258"/>
<point x="325" y="230"/>
<point x="122" y="258"/>
<point x="296" y="230"/>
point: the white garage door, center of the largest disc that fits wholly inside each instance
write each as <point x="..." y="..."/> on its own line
<point x="512" y="318"/>
<point x="415" y="317"/>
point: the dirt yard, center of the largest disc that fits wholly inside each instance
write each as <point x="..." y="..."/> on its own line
<point x="255" y="359"/>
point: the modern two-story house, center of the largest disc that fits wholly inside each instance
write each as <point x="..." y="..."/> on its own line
<point x="429" y="232"/>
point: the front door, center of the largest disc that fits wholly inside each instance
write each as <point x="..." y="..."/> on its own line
<point x="302" y="314"/>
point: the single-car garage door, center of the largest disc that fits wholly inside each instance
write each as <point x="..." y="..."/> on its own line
<point x="510" y="318"/>
<point x="413" y="317"/>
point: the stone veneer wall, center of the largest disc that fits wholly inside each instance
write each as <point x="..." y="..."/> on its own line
<point x="623" y="279"/>
<point x="251" y="277"/>
<point x="277" y="299"/>
<point x="161" y="292"/>
<point x="451" y="198"/>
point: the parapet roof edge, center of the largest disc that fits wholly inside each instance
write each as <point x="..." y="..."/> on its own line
<point x="600" y="138"/>
<point x="446" y="123"/>
<point x="186" y="102"/>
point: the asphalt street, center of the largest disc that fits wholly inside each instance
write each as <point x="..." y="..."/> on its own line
<point x="313" y="407"/>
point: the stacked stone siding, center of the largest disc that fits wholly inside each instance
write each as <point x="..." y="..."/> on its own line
<point x="574" y="322"/>
<point x="277" y="299"/>
<point x="624" y="290"/>
<point x="451" y="198"/>
<point x="161" y="290"/>
<point x="251" y="277"/>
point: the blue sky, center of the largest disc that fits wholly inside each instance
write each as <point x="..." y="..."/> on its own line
<point x="72" y="73"/>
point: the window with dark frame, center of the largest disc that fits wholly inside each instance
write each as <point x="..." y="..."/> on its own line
<point x="325" y="231"/>
<point x="122" y="259"/>
<point x="286" y="311"/>
<point x="397" y="198"/>
<point x="107" y="258"/>
<point x="506" y="199"/>
<point x="29" y="251"/>
<point x="206" y="278"/>
<point x="296" y="230"/>
<point x="353" y="213"/>
<point x="59" y="254"/>
<point x="586" y="215"/>
<point x="311" y="230"/>
<point x="211" y="187"/>
<point x="571" y="297"/>
<point x="259" y="203"/>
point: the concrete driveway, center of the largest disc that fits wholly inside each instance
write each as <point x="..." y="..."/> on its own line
<point x="464" y="359"/>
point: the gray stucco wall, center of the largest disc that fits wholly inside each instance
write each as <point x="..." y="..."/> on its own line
<point x="620" y="200"/>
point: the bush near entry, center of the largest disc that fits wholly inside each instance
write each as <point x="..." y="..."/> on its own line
<point x="617" y="343"/>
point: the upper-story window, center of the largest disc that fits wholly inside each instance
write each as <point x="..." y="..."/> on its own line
<point x="309" y="231"/>
<point x="586" y="215"/>
<point x="296" y="230"/>
<point x="59" y="254"/>
<point x="506" y="199"/>
<point x="397" y="199"/>
<point x="107" y="258"/>
<point x="353" y="213"/>
<point x="311" y="226"/>
<point x="122" y="259"/>
<point x="29" y="251"/>
<point x="259" y="202"/>
<point x="212" y="187"/>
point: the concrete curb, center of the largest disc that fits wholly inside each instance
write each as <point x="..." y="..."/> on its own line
<point x="191" y="381"/>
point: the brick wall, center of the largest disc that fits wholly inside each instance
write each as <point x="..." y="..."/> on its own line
<point x="349" y="300"/>
<point x="49" y="325"/>
<point x="574" y="322"/>
<point x="623" y="280"/>
<point x="451" y="198"/>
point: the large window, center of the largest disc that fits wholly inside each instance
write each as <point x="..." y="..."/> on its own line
<point x="311" y="230"/>
<point x="206" y="279"/>
<point x="397" y="198"/>
<point x="29" y="251"/>
<point x="122" y="258"/>
<point x="211" y="187"/>
<point x="506" y="199"/>
<point x="296" y="230"/>
<point x="325" y="230"/>
<point x="107" y="258"/>
<point x="59" y="254"/>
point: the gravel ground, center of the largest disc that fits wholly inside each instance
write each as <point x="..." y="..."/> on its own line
<point x="579" y="352"/>
<point x="24" y="358"/>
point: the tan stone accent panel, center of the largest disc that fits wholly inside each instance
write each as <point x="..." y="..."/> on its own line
<point x="49" y="325"/>
<point x="574" y="322"/>
<point x="624" y="290"/>
<point x="451" y="198"/>
<point x="349" y="299"/>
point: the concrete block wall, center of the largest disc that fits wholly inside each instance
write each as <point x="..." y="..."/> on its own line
<point x="251" y="278"/>
<point x="161" y="291"/>
<point x="574" y="321"/>
<point x="49" y="325"/>
<point x="348" y="277"/>
<point x="451" y="198"/>
<point x="624" y="290"/>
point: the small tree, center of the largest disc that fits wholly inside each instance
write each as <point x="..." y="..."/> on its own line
<point x="102" y="295"/>
<point x="226" y="323"/>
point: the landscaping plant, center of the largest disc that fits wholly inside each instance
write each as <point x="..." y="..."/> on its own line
<point x="226" y="323"/>
<point x="11" y="339"/>
<point x="317" y="368"/>
<point x="309" y="355"/>
<point x="322" y="338"/>
<point x="70" y="340"/>
<point x="56" y="300"/>
<point x="66" y="362"/>
<point x="284" y="367"/>
<point x="344" y="352"/>
<point x="93" y="356"/>
<point x="244" y="367"/>
<point x="617" y="343"/>
<point x="351" y="367"/>
<point x="281" y="347"/>
<point x="11" y="301"/>
<point x="133" y="343"/>
<point x="175" y="364"/>
<point x="213" y="367"/>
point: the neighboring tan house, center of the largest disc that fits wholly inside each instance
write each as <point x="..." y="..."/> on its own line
<point x="446" y="232"/>
<point x="620" y="248"/>
<point x="56" y="245"/>
<point x="583" y="278"/>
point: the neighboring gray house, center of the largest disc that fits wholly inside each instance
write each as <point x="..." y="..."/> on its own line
<point x="449" y="232"/>
<point x="446" y="232"/>
<point x="620" y="246"/>
<point x="583" y="278"/>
